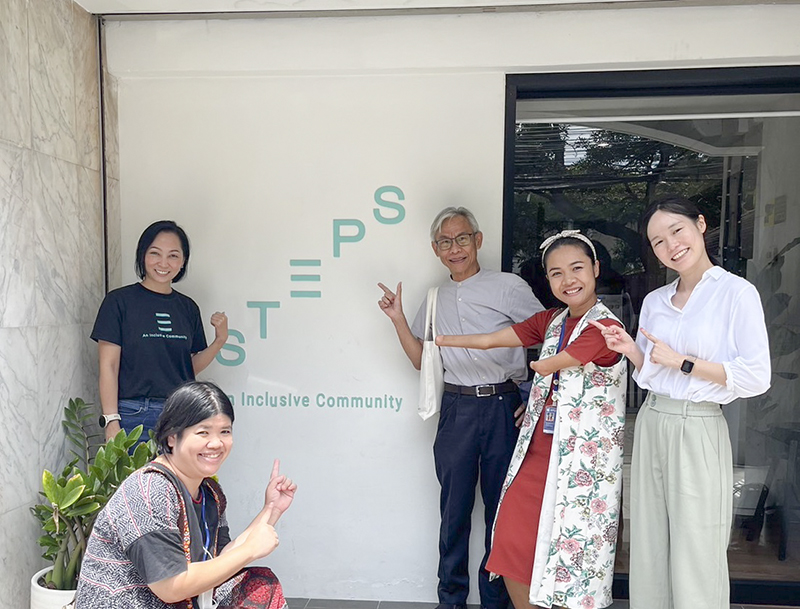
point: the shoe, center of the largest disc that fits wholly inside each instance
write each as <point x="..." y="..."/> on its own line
<point x="446" y="606"/>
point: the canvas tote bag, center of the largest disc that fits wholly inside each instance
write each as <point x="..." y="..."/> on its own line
<point x="431" y="373"/>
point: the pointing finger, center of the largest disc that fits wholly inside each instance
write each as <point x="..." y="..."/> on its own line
<point x="599" y="326"/>
<point x="648" y="336"/>
<point x="386" y="290"/>
<point x="276" y="469"/>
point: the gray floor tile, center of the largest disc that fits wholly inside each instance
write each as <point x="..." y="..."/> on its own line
<point x="405" y="605"/>
<point x="297" y="603"/>
<point x="317" y="603"/>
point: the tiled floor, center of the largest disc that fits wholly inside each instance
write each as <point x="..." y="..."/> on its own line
<point x="305" y="603"/>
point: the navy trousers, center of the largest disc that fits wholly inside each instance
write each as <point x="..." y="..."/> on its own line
<point x="474" y="444"/>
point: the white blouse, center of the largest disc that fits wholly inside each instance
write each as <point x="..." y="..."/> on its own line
<point x="722" y="322"/>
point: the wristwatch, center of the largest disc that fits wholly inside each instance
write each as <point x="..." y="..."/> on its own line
<point x="105" y="419"/>
<point x="687" y="366"/>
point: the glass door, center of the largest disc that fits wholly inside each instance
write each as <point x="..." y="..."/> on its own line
<point x="594" y="164"/>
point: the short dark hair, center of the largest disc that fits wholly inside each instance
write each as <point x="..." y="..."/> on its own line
<point x="149" y="235"/>
<point x="188" y="405"/>
<point x="561" y="242"/>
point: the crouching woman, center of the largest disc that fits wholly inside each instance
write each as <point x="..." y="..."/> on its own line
<point x="162" y="539"/>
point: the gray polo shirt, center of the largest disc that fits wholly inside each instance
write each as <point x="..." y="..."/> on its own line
<point x="486" y="302"/>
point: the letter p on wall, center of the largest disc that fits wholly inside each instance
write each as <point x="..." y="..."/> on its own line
<point x="339" y="237"/>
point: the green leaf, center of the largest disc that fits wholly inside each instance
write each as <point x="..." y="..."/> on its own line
<point x="71" y="497"/>
<point x="135" y="434"/>
<point x="141" y="455"/>
<point x="89" y="508"/>
<point x="49" y="486"/>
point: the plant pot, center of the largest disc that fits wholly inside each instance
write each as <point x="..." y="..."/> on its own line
<point x="45" y="598"/>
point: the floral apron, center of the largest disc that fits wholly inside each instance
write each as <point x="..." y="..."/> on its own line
<point x="576" y="543"/>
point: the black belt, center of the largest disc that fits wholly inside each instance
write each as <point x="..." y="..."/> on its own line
<point x="482" y="391"/>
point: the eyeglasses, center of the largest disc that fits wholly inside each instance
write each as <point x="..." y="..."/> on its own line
<point x="462" y="240"/>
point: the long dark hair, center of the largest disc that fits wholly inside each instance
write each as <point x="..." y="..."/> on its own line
<point x="149" y="235"/>
<point x="188" y="405"/>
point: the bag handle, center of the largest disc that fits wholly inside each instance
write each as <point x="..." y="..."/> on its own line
<point x="430" y="314"/>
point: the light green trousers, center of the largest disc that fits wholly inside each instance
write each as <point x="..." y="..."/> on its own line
<point x="681" y="506"/>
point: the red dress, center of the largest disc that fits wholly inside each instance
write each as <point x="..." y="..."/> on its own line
<point x="517" y="523"/>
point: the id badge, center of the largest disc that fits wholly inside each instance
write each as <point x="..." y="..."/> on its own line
<point x="549" y="420"/>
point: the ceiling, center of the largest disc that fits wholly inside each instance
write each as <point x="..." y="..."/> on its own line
<point x="160" y="7"/>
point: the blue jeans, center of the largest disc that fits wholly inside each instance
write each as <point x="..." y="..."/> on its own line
<point x="140" y="411"/>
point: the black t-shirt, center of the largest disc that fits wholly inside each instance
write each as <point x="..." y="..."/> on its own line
<point x="158" y="334"/>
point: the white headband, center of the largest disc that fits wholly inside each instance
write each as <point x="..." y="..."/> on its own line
<point x="566" y="234"/>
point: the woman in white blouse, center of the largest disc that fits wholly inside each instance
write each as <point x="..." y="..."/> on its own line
<point x="702" y="343"/>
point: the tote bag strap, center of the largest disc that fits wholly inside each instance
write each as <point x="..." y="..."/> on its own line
<point x="430" y="314"/>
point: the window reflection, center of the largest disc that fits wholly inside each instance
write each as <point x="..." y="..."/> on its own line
<point x="597" y="175"/>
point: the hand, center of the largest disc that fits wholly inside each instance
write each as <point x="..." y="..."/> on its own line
<point x="616" y="338"/>
<point x="220" y="322"/>
<point x="392" y="303"/>
<point x="538" y="368"/>
<point x="519" y="415"/>
<point x="661" y="353"/>
<point x="280" y="491"/>
<point x="261" y="535"/>
<point x="111" y="430"/>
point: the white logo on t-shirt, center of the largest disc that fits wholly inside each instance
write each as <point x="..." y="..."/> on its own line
<point x="164" y="322"/>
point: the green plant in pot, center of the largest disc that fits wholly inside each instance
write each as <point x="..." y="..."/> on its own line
<point x="76" y="496"/>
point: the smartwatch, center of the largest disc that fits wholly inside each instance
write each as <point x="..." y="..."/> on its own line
<point x="687" y="366"/>
<point x="105" y="419"/>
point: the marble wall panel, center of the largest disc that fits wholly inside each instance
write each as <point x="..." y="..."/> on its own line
<point x="90" y="390"/>
<point x="61" y="376"/>
<point x="114" y="235"/>
<point x="111" y="110"/>
<point x="90" y="239"/>
<point x="17" y="239"/>
<point x="19" y="442"/>
<point x="52" y="78"/>
<point x="20" y="555"/>
<point x="87" y="88"/>
<point x="15" y="101"/>
<point x="54" y="193"/>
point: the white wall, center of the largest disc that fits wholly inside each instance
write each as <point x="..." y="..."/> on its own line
<point x="257" y="134"/>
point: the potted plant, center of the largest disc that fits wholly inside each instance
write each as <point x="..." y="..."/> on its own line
<point x="76" y="496"/>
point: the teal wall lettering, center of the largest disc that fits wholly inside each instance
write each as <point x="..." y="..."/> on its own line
<point x="339" y="238"/>
<point x="236" y="350"/>
<point x="393" y="205"/>
<point x="263" y="305"/>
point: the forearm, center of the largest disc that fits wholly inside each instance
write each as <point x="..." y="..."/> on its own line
<point x="202" y="576"/>
<point x="635" y="356"/>
<point x="202" y="359"/>
<point x="502" y="338"/>
<point x="109" y="391"/>
<point x="709" y="371"/>
<point x="410" y="343"/>
<point x="109" y="357"/>
<point x="549" y="365"/>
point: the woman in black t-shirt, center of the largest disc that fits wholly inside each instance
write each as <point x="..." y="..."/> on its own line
<point x="150" y="337"/>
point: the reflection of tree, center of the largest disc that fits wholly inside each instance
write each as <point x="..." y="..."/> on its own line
<point x="599" y="181"/>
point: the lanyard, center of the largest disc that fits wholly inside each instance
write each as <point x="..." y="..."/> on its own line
<point x="207" y="532"/>
<point x="549" y="423"/>
<point x="557" y="373"/>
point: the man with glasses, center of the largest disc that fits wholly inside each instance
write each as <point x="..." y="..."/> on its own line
<point x="477" y="431"/>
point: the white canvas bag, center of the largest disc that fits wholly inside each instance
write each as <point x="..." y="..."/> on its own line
<point x="431" y="373"/>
